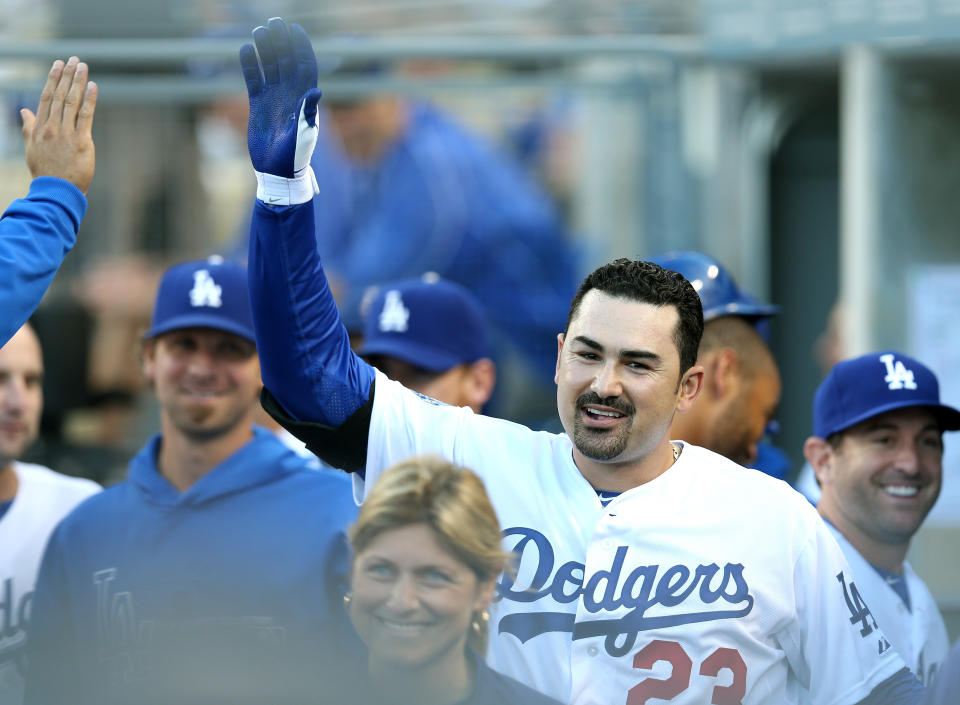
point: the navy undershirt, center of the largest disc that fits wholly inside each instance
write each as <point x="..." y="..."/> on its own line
<point x="897" y="582"/>
<point x="606" y="496"/>
<point x="4" y="506"/>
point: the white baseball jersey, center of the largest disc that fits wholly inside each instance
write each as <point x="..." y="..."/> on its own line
<point x="918" y="633"/>
<point x="43" y="498"/>
<point x="710" y="583"/>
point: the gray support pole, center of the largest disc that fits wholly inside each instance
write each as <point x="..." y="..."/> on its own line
<point x="865" y="115"/>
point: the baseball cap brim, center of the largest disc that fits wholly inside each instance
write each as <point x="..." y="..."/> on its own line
<point x="414" y="353"/>
<point x="200" y="320"/>
<point x="947" y="416"/>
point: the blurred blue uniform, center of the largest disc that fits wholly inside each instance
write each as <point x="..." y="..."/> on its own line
<point x="36" y="233"/>
<point x="945" y="687"/>
<point x="226" y="592"/>
<point x="441" y="199"/>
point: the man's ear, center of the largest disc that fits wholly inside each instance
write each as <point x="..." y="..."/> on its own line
<point x="481" y="379"/>
<point x="819" y="453"/>
<point x="724" y="377"/>
<point x="690" y="387"/>
<point x="147" y="358"/>
<point x="556" y="371"/>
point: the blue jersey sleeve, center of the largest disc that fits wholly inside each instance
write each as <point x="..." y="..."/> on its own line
<point x="902" y="688"/>
<point x="36" y="233"/>
<point x="305" y="356"/>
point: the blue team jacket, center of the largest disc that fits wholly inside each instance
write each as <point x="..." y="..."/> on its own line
<point x="442" y="199"/>
<point x="224" y="593"/>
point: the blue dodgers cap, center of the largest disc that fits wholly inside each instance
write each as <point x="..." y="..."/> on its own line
<point x="207" y="293"/>
<point x="866" y="386"/>
<point x="428" y="322"/>
<point x="718" y="291"/>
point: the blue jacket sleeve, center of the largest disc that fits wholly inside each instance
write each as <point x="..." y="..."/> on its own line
<point x="305" y="354"/>
<point x="36" y="233"/>
<point x="902" y="688"/>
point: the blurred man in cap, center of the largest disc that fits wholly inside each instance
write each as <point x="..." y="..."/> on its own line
<point x="741" y="384"/>
<point x="201" y="577"/>
<point x="430" y="335"/>
<point x="877" y="452"/>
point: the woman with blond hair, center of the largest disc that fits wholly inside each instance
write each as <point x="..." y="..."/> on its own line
<point x="426" y="558"/>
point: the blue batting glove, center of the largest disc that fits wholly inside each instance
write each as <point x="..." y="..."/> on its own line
<point x="281" y="77"/>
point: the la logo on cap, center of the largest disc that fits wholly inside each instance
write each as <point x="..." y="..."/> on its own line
<point x="394" y="315"/>
<point x="898" y="376"/>
<point x="205" y="291"/>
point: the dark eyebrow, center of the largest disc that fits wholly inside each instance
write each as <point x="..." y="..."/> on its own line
<point x="640" y="355"/>
<point x="589" y="342"/>
<point x="871" y="426"/>
<point x="630" y="354"/>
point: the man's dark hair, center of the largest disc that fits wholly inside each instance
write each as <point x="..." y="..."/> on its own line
<point x="650" y="283"/>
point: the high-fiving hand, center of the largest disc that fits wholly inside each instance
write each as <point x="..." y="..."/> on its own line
<point x="58" y="137"/>
<point x="281" y="78"/>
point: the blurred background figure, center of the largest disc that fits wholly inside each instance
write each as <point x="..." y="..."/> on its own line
<point x="430" y="335"/>
<point x="33" y="499"/>
<point x="741" y="384"/>
<point x="202" y="577"/>
<point x="945" y="688"/>
<point x="877" y="450"/>
<point x="427" y="557"/>
<point x="407" y="189"/>
<point x="828" y="351"/>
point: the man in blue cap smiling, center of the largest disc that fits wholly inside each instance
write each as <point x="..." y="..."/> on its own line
<point x="877" y="452"/>
<point x="201" y="577"/>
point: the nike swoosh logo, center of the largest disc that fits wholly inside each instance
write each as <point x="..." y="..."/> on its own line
<point x="274" y="200"/>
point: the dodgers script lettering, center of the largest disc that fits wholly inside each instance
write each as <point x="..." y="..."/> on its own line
<point x="638" y="589"/>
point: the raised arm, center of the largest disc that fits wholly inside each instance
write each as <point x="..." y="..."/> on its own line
<point x="307" y="365"/>
<point x="36" y="232"/>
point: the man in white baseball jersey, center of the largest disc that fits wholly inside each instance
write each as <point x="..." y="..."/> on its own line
<point x="877" y="451"/>
<point x="33" y="499"/>
<point x="691" y="580"/>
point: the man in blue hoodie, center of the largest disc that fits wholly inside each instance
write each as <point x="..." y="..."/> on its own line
<point x="208" y="575"/>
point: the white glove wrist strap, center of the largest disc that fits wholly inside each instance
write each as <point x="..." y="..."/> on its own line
<point x="279" y="191"/>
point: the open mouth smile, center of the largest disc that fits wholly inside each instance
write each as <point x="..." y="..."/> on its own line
<point x="401" y="628"/>
<point x="602" y="416"/>
<point x="903" y="491"/>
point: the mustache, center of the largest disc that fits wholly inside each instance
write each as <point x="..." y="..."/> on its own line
<point x="615" y="403"/>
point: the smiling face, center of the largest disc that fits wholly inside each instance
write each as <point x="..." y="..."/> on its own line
<point x="413" y="600"/>
<point x="884" y="476"/>
<point x="618" y="379"/>
<point x="21" y="394"/>
<point x="207" y="381"/>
